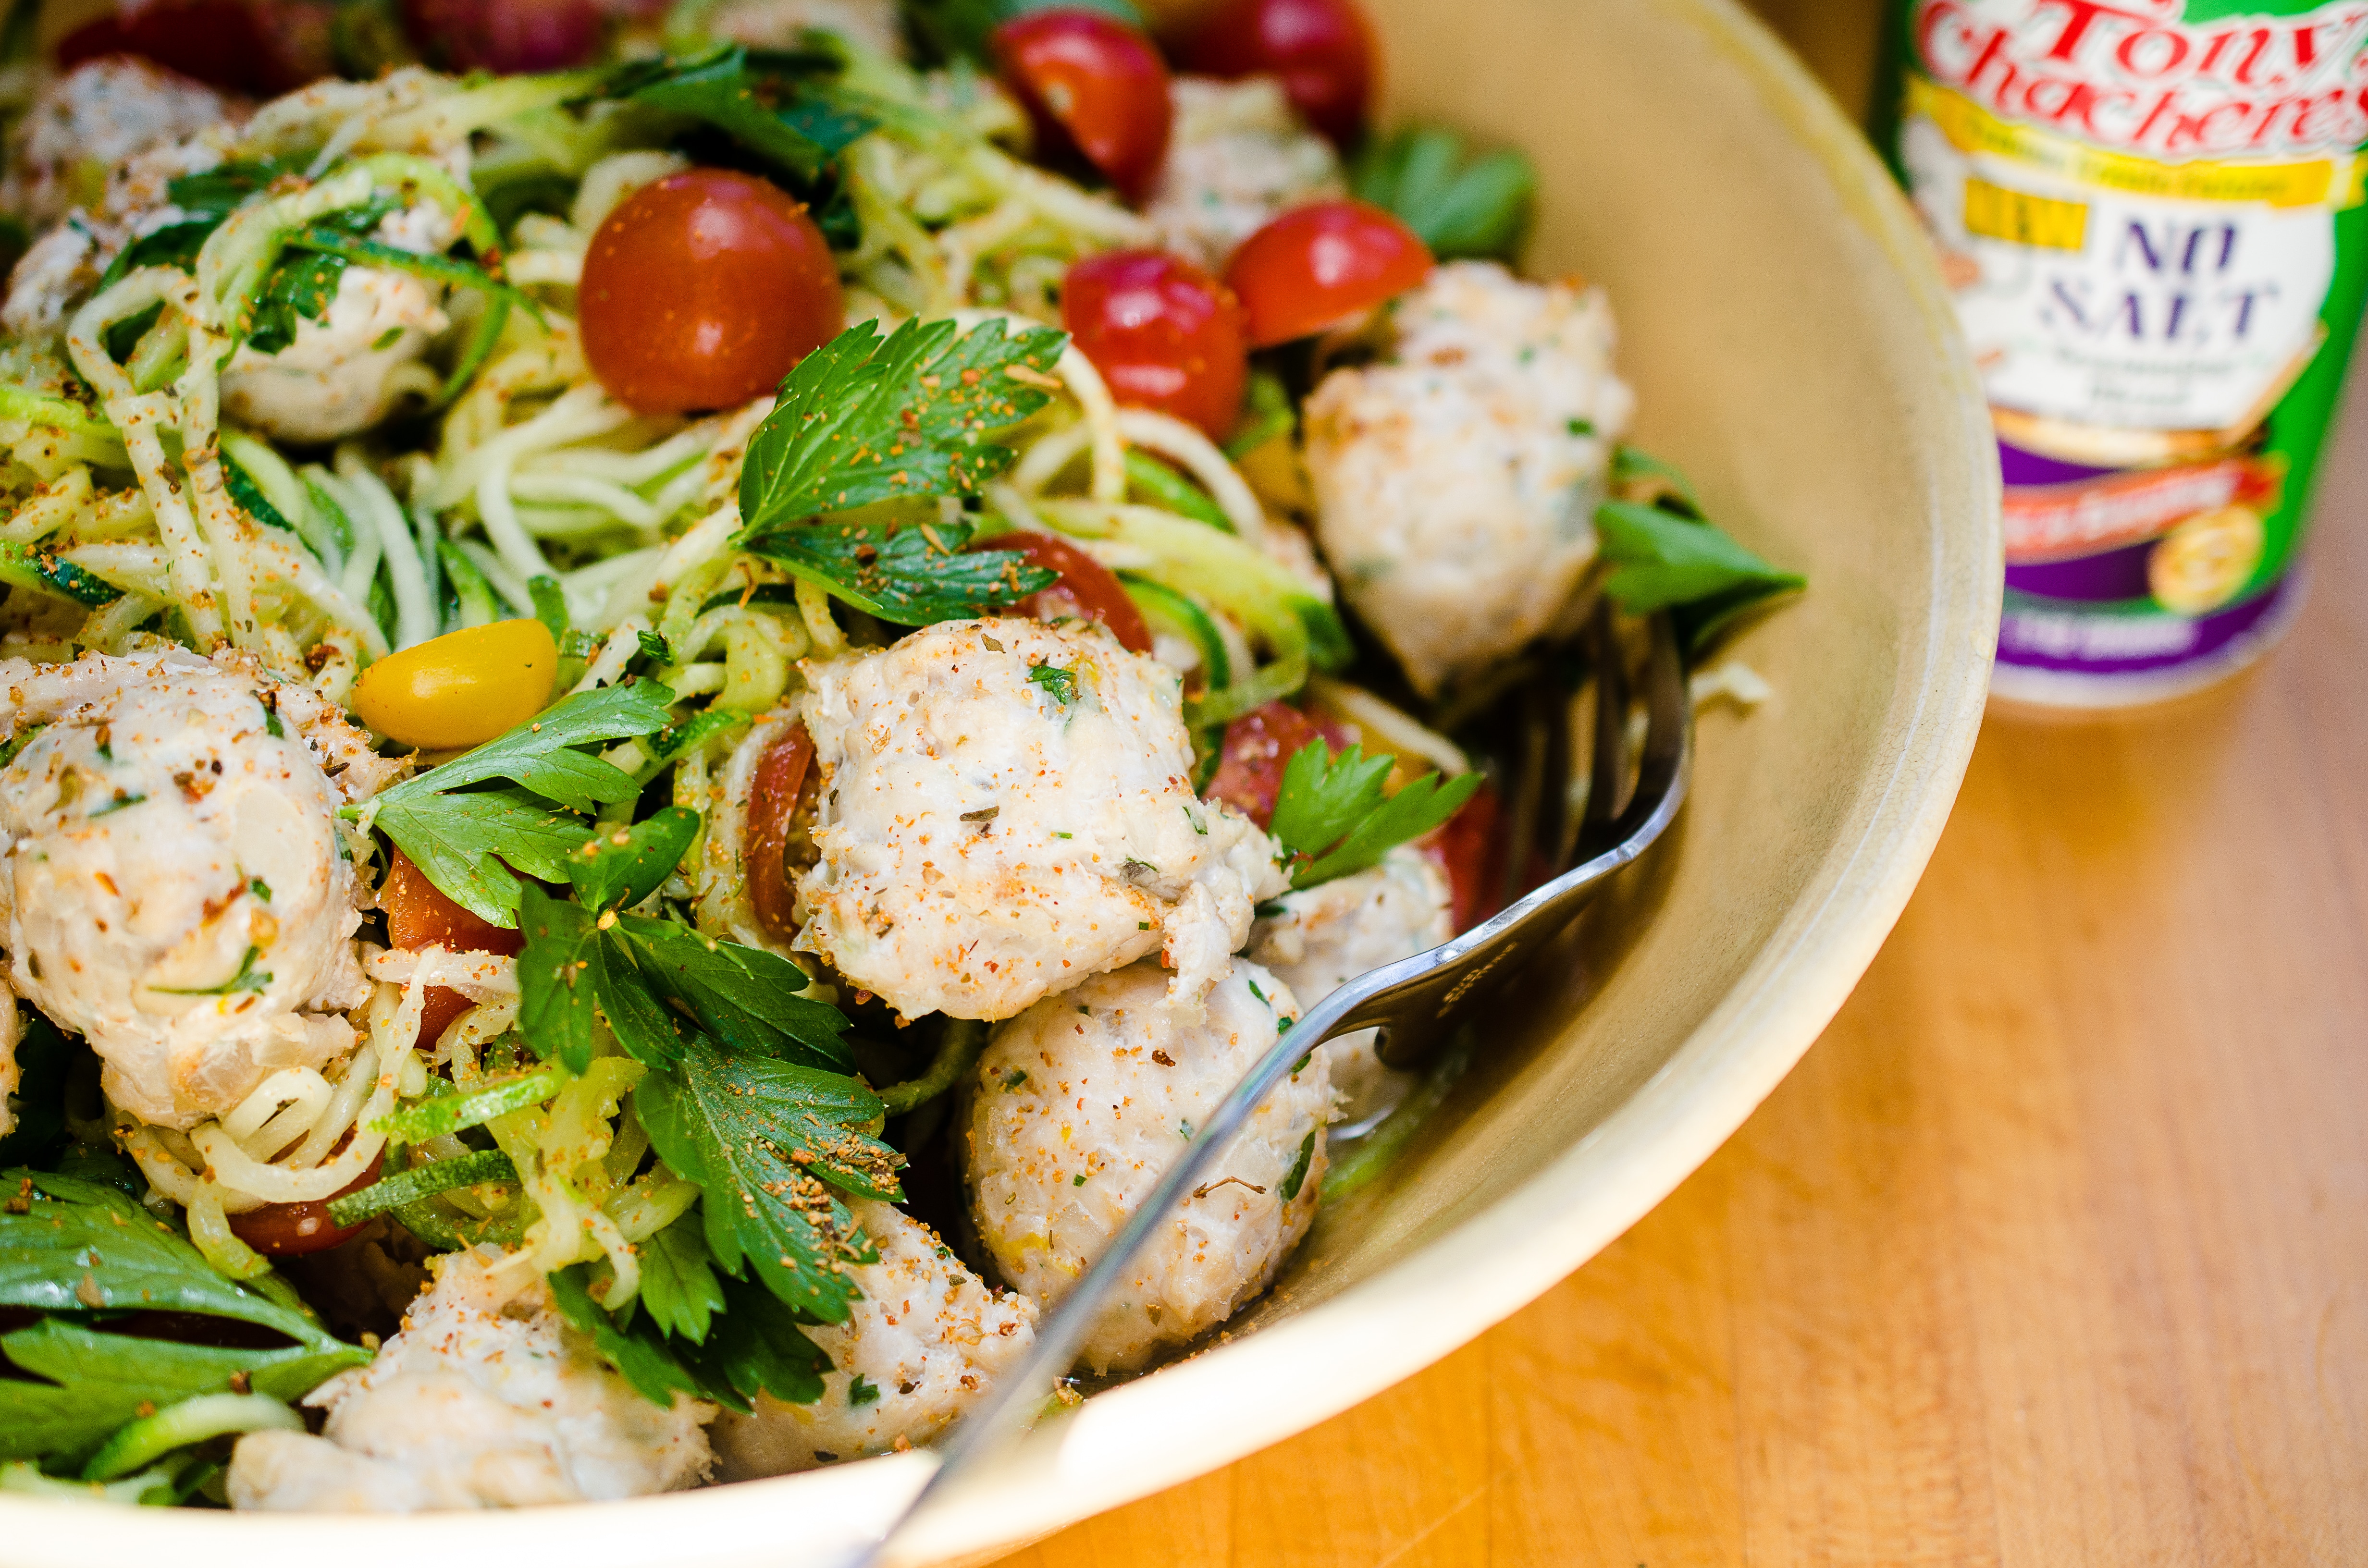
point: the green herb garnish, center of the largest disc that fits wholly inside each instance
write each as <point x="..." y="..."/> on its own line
<point x="1332" y="817"/>
<point x="470" y="839"/>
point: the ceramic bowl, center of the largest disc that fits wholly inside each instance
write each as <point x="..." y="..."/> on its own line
<point x="1792" y="348"/>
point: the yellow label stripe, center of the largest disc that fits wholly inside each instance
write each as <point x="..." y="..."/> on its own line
<point x="1996" y="212"/>
<point x="2335" y="182"/>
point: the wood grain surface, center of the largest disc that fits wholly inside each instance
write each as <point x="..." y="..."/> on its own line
<point x="2054" y="1251"/>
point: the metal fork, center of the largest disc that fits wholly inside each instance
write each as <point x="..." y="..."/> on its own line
<point x="1417" y="1003"/>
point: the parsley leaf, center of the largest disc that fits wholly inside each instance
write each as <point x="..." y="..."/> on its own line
<point x="646" y="974"/>
<point x="1332" y="818"/>
<point x="618" y="868"/>
<point x="1059" y="684"/>
<point x="749" y="999"/>
<point x="1479" y="208"/>
<point x="1297" y="1176"/>
<point x="570" y="971"/>
<point x="1661" y="559"/>
<point x="773" y="1145"/>
<point x="907" y="574"/>
<point x="782" y="105"/>
<point x="862" y="419"/>
<point x="757" y="1347"/>
<point x="637" y="1349"/>
<point x="330" y="240"/>
<point x="469" y="841"/>
<point x="75" y="1247"/>
<point x="678" y="1286"/>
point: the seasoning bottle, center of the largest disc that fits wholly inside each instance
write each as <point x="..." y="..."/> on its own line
<point x="2150" y="213"/>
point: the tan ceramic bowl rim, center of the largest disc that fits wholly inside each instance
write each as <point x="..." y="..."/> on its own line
<point x="1298" y="1370"/>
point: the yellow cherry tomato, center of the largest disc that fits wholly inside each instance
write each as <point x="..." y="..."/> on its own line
<point x="463" y="688"/>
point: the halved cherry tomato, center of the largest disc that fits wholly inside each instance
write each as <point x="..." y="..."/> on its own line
<point x="1468" y="847"/>
<point x="1092" y="84"/>
<point x="1163" y="333"/>
<point x="772" y="802"/>
<point x="1258" y="746"/>
<point x="286" y="1230"/>
<point x="1323" y="266"/>
<point x="1087" y="590"/>
<point x="506" y="36"/>
<point x="1323" y="50"/>
<point x="703" y="289"/>
<point x="419" y="915"/>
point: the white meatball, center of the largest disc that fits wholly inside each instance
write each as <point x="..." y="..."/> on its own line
<point x="84" y="123"/>
<point x="1083" y="1102"/>
<point x="927" y="1338"/>
<point x="1456" y="486"/>
<point x="174" y="886"/>
<point x="1006" y="808"/>
<point x="1320" y="939"/>
<point x="64" y="265"/>
<point x="873" y="25"/>
<point x="486" y="1398"/>
<point x="337" y="376"/>
<point x="1237" y="155"/>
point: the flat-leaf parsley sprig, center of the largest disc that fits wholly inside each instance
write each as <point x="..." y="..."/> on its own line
<point x="865" y="419"/>
<point x="1332" y="817"/>
<point x="468" y="832"/>
<point x="77" y="1253"/>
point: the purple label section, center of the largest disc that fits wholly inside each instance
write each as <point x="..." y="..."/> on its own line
<point x="2021" y="467"/>
<point x="2066" y="638"/>
<point x="2115" y="574"/>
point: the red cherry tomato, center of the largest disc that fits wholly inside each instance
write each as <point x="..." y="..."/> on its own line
<point x="256" y="47"/>
<point x="1087" y="590"/>
<point x="285" y="1230"/>
<point x="703" y="289"/>
<point x="1164" y="333"/>
<point x="1091" y="83"/>
<point x="418" y="915"/>
<point x="1322" y="266"/>
<point x="506" y="36"/>
<point x="1323" y="50"/>
<point x="1469" y="850"/>
<point x="1258" y="746"/>
<point x="772" y="803"/>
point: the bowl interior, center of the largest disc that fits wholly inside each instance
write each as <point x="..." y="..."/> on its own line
<point x="1792" y="350"/>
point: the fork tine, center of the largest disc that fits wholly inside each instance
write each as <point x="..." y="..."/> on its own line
<point x="1608" y="765"/>
<point x="1668" y="729"/>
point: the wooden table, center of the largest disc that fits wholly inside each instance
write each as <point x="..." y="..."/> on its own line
<point x="2054" y="1251"/>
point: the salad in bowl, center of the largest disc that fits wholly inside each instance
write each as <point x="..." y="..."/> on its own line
<point x="670" y="712"/>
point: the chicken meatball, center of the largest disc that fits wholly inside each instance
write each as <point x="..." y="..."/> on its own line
<point x="1456" y="484"/>
<point x="63" y="266"/>
<point x="84" y="123"/>
<point x="486" y="1398"/>
<point x="1237" y="155"/>
<point x="1083" y="1102"/>
<point x="173" y="888"/>
<point x="1318" y="939"/>
<point x="337" y="375"/>
<point x="919" y="1347"/>
<point x="1006" y="808"/>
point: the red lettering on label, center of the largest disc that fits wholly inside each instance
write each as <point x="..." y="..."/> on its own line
<point x="2168" y="52"/>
